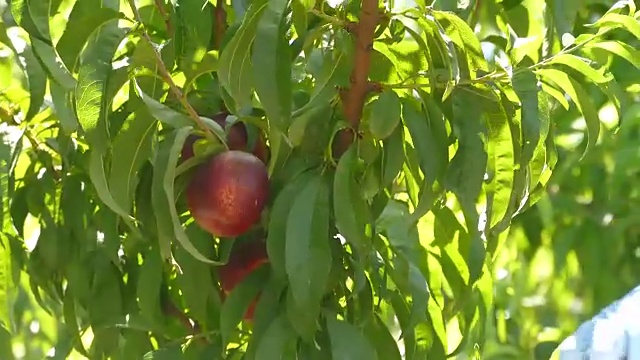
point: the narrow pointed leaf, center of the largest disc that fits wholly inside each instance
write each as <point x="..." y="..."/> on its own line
<point x="272" y="65"/>
<point x="163" y="198"/>
<point x="385" y="114"/>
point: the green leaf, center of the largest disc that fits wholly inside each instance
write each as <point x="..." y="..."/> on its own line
<point x="582" y="100"/>
<point x="402" y="314"/>
<point x="307" y="252"/>
<point x="148" y="287"/>
<point x="625" y="51"/>
<point x="564" y="15"/>
<point x="347" y="342"/>
<point x="467" y="169"/>
<point x="277" y="234"/>
<point x="525" y="86"/>
<point x="208" y="64"/>
<point x="170" y="352"/>
<point x="393" y="156"/>
<point x="238" y="301"/>
<point x="193" y="34"/>
<point x="385" y="114"/>
<point x="37" y="82"/>
<point x="71" y="319"/>
<point x="131" y="147"/>
<point x="91" y="103"/>
<point x="6" y="350"/>
<point x="278" y="342"/>
<point x="582" y="65"/>
<point x="173" y="118"/>
<point x="463" y="36"/>
<point x="324" y="90"/>
<point x="614" y="21"/>
<point x="85" y="19"/>
<point x="272" y="65"/>
<point x="106" y="302"/>
<point x="163" y="196"/>
<point x="234" y="68"/>
<point x="501" y="161"/>
<point x="347" y="201"/>
<point x="379" y="335"/>
<point x="7" y="287"/>
<point x="433" y="154"/>
<point x="196" y="280"/>
<point x="63" y="104"/>
<point x="52" y="64"/>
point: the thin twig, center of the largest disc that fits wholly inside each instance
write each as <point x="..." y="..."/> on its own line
<point x="167" y="77"/>
<point x="353" y="99"/>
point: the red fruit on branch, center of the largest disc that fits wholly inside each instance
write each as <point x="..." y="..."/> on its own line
<point x="244" y="259"/>
<point x="228" y="192"/>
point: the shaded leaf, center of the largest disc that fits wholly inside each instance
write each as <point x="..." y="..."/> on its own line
<point x="278" y="342"/>
<point x="347" y="342"/>
<point x="149" y="283"/>
<point x="37" y="82"/>
<point x="271" y="63"/>
<point x="346" y="201"/>
<point x="393" y="156"/>
<point x="238" y="301"/>
<point x="385" y="114"/>
<point x="307" y="252"/>
<point x="379" y="335"/>
<point x="84" y="20"/>
<point x="277" y="234"/>
<point x="131" y="147"/>
<point x="234" y="67"/>
<point x="525" y="86"/>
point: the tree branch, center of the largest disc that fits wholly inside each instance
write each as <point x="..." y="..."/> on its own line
<point x="167" y="77"/>
<point x="219" y="24"/>
<point x="353" y="99"/>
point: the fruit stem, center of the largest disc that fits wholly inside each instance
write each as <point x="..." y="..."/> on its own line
<point x="169" y="80"/>
<point x="354" y="98"/>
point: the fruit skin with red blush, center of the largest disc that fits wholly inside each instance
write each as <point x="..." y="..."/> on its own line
<point x="245" y="257"/>
<point x="228" y="192"/>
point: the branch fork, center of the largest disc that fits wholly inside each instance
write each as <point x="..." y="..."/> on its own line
<point x="353" y="99"/>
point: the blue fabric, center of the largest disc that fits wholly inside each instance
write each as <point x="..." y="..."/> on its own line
<point x="614" y="333"/>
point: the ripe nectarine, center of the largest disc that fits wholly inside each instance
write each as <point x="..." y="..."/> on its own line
<point x="228" y="192"/>
<point x="244" y="258"/>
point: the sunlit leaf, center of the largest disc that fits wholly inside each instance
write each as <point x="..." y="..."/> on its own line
<point x="625" y="51"/>
<point x="234" y="67"/>
<point x="581" y="98"/>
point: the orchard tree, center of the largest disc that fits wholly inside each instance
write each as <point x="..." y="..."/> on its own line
<point x="273" y="179"/>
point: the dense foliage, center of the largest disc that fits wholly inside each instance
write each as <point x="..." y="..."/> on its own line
<point x="440" y="181"/>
